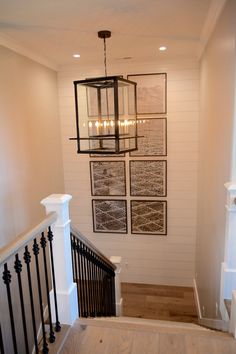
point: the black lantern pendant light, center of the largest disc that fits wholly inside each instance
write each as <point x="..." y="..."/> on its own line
<point x="106" y="113"/>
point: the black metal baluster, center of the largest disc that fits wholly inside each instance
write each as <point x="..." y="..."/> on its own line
<point x="43" y="244"/>
<point x="36" y="253"/>
<point x="113" y="295"/>
<point x="50" y="239"/>
<point x="1" y="341"/>
<point x="88" y="280"/>
<point x="81" y="302"/>
<point x="92" y="283"/>
<point x="7" y="280"/>
<point x="103" y="302"/>
<point x="81" y="267"/>
<point x="85" y="282"/>
<point x="110" y="295"/>
<point x="18" y="269"/>
<point x="97" y="286"/>
<point x="72" y="240"/>
<point x="107" y="293"/>
<point x="27" y="259"/>
<point x="75" y="272"/>
<point x="101" y="287"/>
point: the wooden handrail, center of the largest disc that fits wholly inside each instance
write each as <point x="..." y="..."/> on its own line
<point x="14" y="246"/>
<point x="75" y="232"/>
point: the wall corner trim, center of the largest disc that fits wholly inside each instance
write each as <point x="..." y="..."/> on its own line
<point x="214" y="12"/>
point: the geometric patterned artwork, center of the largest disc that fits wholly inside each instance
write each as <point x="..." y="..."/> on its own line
<point x="107" y="178"/>
<point x="151" y="93"/>
<point x="148" y="217"/>
<point x="148" y="178"/>
<point x="153" y="141"/>
<point x="109" y="216"/>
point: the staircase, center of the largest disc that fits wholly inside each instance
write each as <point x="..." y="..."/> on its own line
<point x="52" y="273"/>
<point x="125" y="335"/>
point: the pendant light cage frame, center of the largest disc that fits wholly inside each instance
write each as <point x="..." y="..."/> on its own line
<point x="106" y="113"/>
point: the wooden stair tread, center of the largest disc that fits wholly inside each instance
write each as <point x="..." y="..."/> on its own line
<point x="121" y="336"/>
<point x="149" y="325"/>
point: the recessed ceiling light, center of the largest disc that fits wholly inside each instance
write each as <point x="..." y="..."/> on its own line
<point x="76" y="55"/>
<point x="162" y="48"/>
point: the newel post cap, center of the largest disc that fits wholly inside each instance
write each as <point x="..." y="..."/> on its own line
<point x="230" y="186"/>
<point x="56" y="199"/>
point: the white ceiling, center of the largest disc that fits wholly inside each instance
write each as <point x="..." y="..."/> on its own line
<point x="55" y="29"/>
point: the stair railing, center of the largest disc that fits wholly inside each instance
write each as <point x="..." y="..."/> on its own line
<point x="94" y="275"/>
<point x="53" y="272"/>
<point x="27" y="268"/>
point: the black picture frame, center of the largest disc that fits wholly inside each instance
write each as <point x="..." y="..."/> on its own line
<point x="148" y="178"/>
<point x="106" y="215"/>
<point x="153" y="137"/>
<point x="146" y="217"/>
<point x="151" y="92"/>
<point x="108" y="178"/>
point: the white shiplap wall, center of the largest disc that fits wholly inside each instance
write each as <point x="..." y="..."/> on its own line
<point x="167" y="259"/>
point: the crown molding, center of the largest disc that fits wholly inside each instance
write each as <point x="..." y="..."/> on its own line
<point x="213" y="14"/>
<point x="10" y="43"/>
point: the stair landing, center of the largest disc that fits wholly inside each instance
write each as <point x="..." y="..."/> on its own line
<point x="122" y="335"/>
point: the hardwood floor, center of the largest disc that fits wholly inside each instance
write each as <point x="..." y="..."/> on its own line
<point x="122" y="336"/>
<point x="170" y="303"/>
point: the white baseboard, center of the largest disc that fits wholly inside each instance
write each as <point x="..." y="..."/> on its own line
<point x="232" y="322"/>
<point x="197" y="301"/>
<point x="40" y="334"/>
<point x="219" y="324"/>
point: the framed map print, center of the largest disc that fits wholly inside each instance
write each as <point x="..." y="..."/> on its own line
<point x="153" y="137"/>
<point x="151" y="93"/>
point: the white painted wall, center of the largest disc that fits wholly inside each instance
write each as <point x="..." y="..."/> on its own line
<point x="215" y="164"/>
<point x="30" y="150"/>
<point x="146" y="259"/>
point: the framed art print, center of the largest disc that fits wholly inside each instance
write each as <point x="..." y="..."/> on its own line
<point x="151" y="93"/>
<point x="109" y="216"/>
<point x="153" y="137"/>
<point x="148" y="178"/>
<point x="149" y="217"/>
<point x="107" y="178"/>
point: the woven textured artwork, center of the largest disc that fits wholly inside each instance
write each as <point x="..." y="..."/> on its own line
<point x="108" y="178"/>
<point x="149" y="217"/>
<point x="109" y="216"/>
<point x="148" y="178"/>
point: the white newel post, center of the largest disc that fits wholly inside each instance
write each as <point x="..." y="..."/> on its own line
<point x="66" y="288"/>
<point x="228" y="267"/>
<point x="116" y="260"/>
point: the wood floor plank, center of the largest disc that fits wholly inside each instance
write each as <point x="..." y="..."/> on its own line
<point x="171" y="343"/>
<point x="162" y="302"/>
<point x="147" y="343"/>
